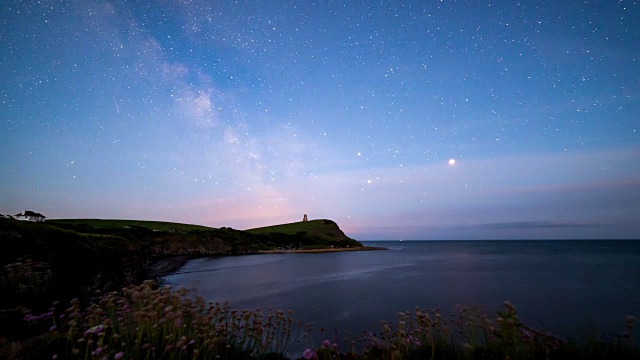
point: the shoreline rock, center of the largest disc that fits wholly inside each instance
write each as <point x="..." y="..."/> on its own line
<point x="167" y="265"/>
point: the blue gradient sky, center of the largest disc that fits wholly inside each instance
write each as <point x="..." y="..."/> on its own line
<point x="250" y="113"/>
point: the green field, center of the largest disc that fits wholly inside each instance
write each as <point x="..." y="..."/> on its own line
<point x="291" y="228"/>
<point x="313" y="234"/>
<point x="120" y="224"/>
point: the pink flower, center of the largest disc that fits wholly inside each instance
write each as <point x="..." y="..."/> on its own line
<point x="118" y="355"/>
<point x="309" y="354"/>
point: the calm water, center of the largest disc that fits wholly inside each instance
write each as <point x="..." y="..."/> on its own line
<point x="569" y="286"/>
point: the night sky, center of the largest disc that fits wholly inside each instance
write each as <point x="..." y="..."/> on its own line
<point x="398" y="120"/>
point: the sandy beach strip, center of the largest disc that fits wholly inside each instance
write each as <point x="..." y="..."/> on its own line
<point x="324" y="250"/>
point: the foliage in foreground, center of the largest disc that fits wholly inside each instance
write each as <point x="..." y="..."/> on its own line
<point x="147" y="322"/>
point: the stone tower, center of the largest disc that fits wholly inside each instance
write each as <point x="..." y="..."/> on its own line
<point x="304" y="218"/>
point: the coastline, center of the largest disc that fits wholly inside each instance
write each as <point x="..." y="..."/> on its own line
<point x="318" y="251"/>
<point x="168" y="265"/>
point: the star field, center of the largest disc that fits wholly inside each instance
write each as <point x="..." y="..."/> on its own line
<point x="397" y="119"/>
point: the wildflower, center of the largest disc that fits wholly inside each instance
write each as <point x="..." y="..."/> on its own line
<point x="118" y="355"/>
<point x="509" y="306"/>
<point x="526" y="334"/>
<point x="326" y="344"/>
<point x="95" y="329"/>
<point x="629" y="320"/>
<point x="309" y="354"/>
<point x="52" y="328"/>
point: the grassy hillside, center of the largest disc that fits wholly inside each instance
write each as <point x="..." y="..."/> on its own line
<point x="112" y="224"/>
<point x="292" y="228"/>
<point x="311" y="234"/>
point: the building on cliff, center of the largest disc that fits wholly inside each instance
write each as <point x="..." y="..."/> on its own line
<point x="30" y="216"/>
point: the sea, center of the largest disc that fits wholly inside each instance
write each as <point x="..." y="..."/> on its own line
<point x="571" y="288"/>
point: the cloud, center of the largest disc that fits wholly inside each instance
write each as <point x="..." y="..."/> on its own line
<point x="541" y="224"/>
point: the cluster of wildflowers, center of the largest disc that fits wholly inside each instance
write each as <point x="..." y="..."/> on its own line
<point x="628" y="333"/>
<point x="469" y="334"/>
<point x="25" y="277"/>
<point x="149" y="322"/>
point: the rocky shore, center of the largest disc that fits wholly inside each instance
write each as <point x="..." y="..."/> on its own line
<point x="167" y="265"/>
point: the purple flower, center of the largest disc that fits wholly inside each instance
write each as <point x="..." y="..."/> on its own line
<point x="95" y="329"/>
<point x="326" y="344"/>
<point x="118" y="355"/>
<point x="52" y="328"/>
<point x="309" y="354"/>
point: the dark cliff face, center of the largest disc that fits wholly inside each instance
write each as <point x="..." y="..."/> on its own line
<point x="177" y="244"/>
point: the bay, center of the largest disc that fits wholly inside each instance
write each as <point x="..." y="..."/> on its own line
<point x="567" y="287"/>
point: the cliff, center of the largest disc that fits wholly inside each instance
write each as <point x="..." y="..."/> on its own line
<point x="314" y="233"/>
<point x="91" y="254"/>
